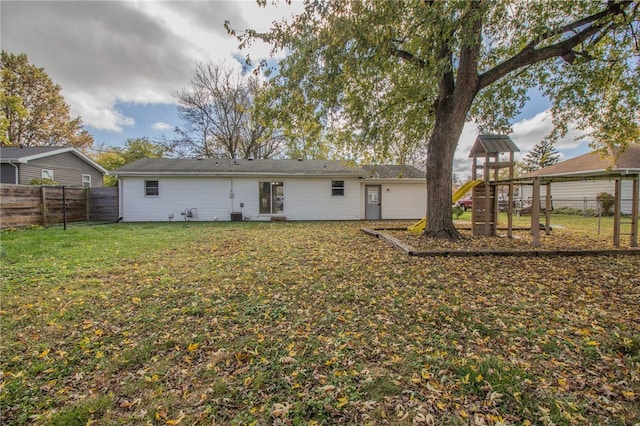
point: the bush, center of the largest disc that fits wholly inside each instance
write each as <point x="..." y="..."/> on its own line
<point x="457" y="211"/>
<point x="43" y="181"/>
<point x="576" y="212"/>
<point x="568" y="210"/>
<point x="606" y="202"/>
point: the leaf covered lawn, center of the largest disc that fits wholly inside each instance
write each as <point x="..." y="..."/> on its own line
<point x="308" y="323"/>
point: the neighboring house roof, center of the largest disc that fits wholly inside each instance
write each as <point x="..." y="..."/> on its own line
<point x="26" y="154"/>
<point x="226" y="167"/>
<point x="492" y="144"/>
<point x="593" y="163"/>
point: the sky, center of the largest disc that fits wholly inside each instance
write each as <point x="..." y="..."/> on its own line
<point x="119" y="63"/>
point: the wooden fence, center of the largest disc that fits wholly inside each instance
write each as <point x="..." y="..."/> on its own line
<point x="25" y="205"/>
<point x="103" y="204"/>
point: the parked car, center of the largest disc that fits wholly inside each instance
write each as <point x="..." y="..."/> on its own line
<point x="465" y="204"/>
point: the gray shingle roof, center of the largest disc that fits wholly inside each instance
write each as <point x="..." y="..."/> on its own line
<point x="166" y="166"/>
<point x="228" y="166"/>
<point x="14" y="152"/>
<point x="492" y="144"/>
<point x="592" y="162"/>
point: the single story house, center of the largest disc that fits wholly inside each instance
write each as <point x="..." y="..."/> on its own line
<point x="64" y="165"/>
<point x="598" y="172"/>
<point x="227" y="189"/>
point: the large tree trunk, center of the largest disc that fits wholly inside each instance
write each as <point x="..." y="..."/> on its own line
<point x="455" y="96"/>
<point x="451" y="114"/>
<point x="440" y="152"/>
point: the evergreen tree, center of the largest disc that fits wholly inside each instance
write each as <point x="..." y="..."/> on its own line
<point x="542" y="155"/>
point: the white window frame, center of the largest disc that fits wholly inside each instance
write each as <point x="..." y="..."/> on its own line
<point x="86" y="181"/>
<point x="337" y="190"/>
<point x="146" y="188"/>
<point x="46" y="174"/>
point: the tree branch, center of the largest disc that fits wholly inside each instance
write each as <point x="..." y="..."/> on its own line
<point x="409" y="57"/>
<point x="530" y="56"/>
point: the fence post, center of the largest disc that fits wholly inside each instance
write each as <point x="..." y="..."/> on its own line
<point x="87" y="202"/>
<point x="535" y="212"/>
<point x="616" y="215"/>
<point x="64" y="208"/>
<point x="635" y="195"/>
<point x="43" y="199"/>
<point x="547" y="211"/>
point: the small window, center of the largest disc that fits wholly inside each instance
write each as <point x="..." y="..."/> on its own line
<point x="86" y="181"/>
<point x="47" y="174"/>
<point x="337" y="187"/>
<point x="151" y="188"/>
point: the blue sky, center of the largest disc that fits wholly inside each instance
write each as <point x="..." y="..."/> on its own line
<point x="154" y="121"/>
<point x="119" y="63"/>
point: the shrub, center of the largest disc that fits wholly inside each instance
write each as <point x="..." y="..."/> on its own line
<point x="606" y="202"/>
<point x="43" y="181"/>
<point x="567" y="210"/>
<point x="457" y="211"/>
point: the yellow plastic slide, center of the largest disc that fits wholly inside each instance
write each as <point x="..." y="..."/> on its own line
<point x="418" y="227"/>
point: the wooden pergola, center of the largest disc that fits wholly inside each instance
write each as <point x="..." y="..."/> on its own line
<point x="617" y="177"/>
<point x="486" y="165"/>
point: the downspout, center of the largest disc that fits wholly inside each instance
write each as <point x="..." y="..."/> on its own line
<point x="17" y="171"/>
<point x="231" y="194"/>
<point x="120" y="198"/>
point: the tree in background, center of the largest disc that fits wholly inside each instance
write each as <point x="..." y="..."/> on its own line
<point x="34" y="113"/>
<point x="383" y="67"/>
<point x="135" y="149"/>
<point x="543" y="154"/>
<point x="220" y="116"/>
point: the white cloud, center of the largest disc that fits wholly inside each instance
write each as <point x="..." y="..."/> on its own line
<point x="99" y="112"/>
<point x="526" y="134"/>
<point x="106" y="52"/>
<point x="159" y="125"/>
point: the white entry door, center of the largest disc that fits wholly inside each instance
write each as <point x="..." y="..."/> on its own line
<point x="372" y="203"/>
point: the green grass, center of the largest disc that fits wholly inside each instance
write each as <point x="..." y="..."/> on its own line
<point x="307" y="323"/>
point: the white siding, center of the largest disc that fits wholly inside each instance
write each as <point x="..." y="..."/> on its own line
<point x="304" y="199"/>
<point x="311" y="199"/>
<point x="399" y="200"/>
<point x="210" y="198"/>
<point x="579" y="194"/>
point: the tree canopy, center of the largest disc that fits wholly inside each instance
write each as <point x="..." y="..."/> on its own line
<point x="34" y="112"/>
<point x="221" y="116"/>
<point x="423" y="68"/>
<point x="134" y="149"/>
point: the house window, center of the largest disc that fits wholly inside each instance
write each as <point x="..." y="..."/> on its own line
<point x="47" y="174"/>
<point x="86" y="181"/>
<point x="271" y="197"/>
<point x="337" y="187"/>
<point x="151" y="188"/>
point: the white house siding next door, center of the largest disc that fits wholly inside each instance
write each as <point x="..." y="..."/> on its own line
<point x="372" y="202"/>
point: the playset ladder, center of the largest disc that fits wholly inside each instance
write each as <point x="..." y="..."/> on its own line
<point x="485" y="211"/>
